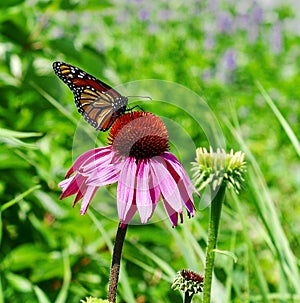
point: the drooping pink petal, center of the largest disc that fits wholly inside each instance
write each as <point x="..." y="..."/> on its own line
<point x="126" y="187"/>
<point x="87" y="198"/>
<point x="176" y="165"/>
<point x="154" y="189"/>
<point x="175" y="170"/>
<point x="129" y="214"/>
<point x="184" y="183"/>
<point x="143" y="198"/>
<point x="65" y="183"/>
<point x="103" y="176"/>
<point x="172" y="214"/>
<point x="186" y="198"/>
<point x="167" y="185"/>
<point x="186" y="189"/>
<point x="118" y="163"/>
<point x="81" y="193"/>
<point x="72" y="186"/>
<point x="99" y="160"/>
<point x="171" y="157"/>
<point x="78" y="197"/>
<point x="85" y="156"/>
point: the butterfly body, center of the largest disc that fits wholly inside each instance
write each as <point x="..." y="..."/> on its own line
<point x="96" y="101"/>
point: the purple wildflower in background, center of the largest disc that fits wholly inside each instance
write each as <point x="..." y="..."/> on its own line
<point x="206" y="75"/>
<point x="257" y="14"/>
<point x="143" y="15"/>
<point x="243" y="21"/>
<point x="276" y="38"/>
<point x="209" y="42"/>
<point x="164" y="15"/>
<point x="213" y="5"/>
<point x="230" y="59"/>
<point x="255" y="21"/>
<point x="225" y="23"/>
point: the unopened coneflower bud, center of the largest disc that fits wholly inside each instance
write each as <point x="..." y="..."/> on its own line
<point x="188" y="282"/>
<point x="216" y="167"/>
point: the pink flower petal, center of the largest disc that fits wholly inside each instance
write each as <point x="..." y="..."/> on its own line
<point x="154" y="189"/>
<point x="166" y="183"/>
<point x="171" y="157"/>
<point x="65" y="183"/>
<point x="103" y="176"/>
<point x="173" y="161"/>
<point x="126" y="187"/>
<point x="78" y="197"/>
<point x="88" y="196"/>
<point x="143" y="198"/>
<point x="129" y="214"/>
<point x="184" y="183"/>
<point x="72" y="186"/>
<point x="85" y="156"/>
<point x="173" y="215"/>
<point x="101" y="159"/>
<point x="80" y="194"/>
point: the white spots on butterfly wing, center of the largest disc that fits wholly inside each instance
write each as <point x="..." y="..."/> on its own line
<point x="120" y="104"/>
<point x="81" y="75"/>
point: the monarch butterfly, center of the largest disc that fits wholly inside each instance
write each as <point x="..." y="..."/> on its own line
<point x="96" y="101"/>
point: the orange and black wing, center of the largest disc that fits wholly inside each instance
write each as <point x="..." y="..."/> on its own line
<point x="97" y="102"/>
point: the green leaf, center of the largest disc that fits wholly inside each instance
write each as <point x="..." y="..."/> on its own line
<point x="24" y="256"/>
<point x="227" y="253"/>
<point x="15" y="33"/>
<point x="63" y="293"/>
<point x="50" y="204"/>
<point x="10" y="137"/>
<point x="51" y="267"/>
<point x="7" y="133"/>
<point x="18" y="198"/>
<point x="1" y="233"/>
<point x="18" y="282"/>
<point x="9" y="3"/>
<point x="42" y="297"/>
<point x="8" y="159"/>
<point x="288" y="130"/>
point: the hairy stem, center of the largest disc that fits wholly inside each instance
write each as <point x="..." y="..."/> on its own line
<point x="115" y="265"/>
<point x="215" y="214"/>
<point x="188" y="298"/>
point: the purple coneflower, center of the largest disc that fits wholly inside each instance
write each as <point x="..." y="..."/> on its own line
<point x="138" y="158"/>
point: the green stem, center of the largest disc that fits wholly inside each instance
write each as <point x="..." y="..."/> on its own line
<point x="187" y="297"/>
<point x="215" y="214"/>
<point x="116" y="261"/>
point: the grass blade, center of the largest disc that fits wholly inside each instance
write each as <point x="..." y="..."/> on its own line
<point x="290" y="133"/>
<point x="18" y="198"/>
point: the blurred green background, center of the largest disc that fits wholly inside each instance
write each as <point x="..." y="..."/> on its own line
<point x="242" y="58"/>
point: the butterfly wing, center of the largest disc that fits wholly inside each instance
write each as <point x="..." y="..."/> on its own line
<point x="96" y="101"/>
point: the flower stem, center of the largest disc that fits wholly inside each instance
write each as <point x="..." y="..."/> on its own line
<point x="116" y="261"/>
<point x="187" y="297"/>
<point x="215" y="214"/>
